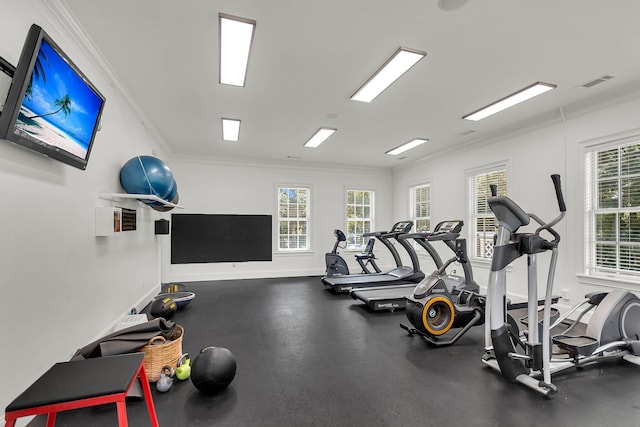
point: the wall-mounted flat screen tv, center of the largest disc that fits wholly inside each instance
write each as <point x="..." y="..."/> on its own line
<point x="51" y="108"/>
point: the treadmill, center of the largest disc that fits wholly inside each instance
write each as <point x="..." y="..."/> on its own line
<point x="395" y="297"/>
<point x="396" y="276"/>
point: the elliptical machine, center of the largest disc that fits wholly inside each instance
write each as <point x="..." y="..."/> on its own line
<point x="442" y="302"/>
<point x="337" y="266"/>
<point x="612" y="332"/>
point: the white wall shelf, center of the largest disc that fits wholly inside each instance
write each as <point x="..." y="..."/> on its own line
<point x="139" y="197"/>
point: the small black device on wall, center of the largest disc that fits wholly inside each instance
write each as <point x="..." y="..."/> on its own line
<point x="162" y="226"/>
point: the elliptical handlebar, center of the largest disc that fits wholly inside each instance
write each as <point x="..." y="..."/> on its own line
<point x="556" y="183"/>
<point x="561" y="206"/>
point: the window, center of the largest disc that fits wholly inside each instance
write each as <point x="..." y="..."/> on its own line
<point x="482" y="219"/>
<point x="421" y="207"/>
<point x="359" y="217"/>
<point x="293" y="218"/>
<point x="613" y="210"/>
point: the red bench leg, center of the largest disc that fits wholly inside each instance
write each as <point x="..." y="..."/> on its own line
<point x="122" y="413"/>
<point x="144" y="382"/>
<point x="51" y="419"/>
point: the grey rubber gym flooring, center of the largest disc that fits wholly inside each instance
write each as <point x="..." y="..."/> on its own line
<point x="307" y="357"/>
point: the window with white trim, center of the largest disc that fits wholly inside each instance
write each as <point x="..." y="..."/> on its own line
<point x="482" y="220"/>
<point x="360" y="204"/>
<point x="421" y="207"/>
<point x="293" y="218"/>
<point x="612" y="223"/>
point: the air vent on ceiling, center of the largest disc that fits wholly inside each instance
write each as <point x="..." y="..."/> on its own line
<point x="597" y="81"/>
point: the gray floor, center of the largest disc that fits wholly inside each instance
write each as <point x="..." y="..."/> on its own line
<point x="307" y="357"/>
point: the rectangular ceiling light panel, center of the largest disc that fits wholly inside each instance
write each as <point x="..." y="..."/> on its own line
<point x="235" y="38"/>
<point x="319" y="137"/>
<point x="396" y="66"/>
<point x="230" y="129"/>
<point x="511" y="100"/>
<point x="408" y="146"/>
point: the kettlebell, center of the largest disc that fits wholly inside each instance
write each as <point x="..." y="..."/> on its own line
<point x="183" y="371"/>
<point x="166" y="379"/>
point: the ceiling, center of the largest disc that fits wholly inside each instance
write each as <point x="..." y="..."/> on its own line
<point x="309" y="57"/>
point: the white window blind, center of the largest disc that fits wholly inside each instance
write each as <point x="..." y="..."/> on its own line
<point x="293" y="218"/>
<point x="612" y="199"/>
<point x="481" y="217"/>
<point x="360" y="204"/>
<point x="421" y="207"/>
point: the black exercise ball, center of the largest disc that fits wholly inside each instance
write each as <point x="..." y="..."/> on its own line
<point x="163" y="307"/>
<point x="213" y="369"/>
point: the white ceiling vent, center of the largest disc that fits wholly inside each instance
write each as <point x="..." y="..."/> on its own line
<point x="597" y="81"/>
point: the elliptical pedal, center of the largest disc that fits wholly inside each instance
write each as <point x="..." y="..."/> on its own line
<point x="576" y="346"/>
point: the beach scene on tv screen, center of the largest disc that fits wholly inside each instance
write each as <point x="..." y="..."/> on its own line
<point x="59" y="108"/>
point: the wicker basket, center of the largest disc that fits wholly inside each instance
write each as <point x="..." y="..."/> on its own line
<point x="160" y="352"/>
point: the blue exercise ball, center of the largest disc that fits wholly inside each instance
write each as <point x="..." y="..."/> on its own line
<point x="148" y="175"/>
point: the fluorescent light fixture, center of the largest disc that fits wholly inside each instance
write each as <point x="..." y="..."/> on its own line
<point x="319" y="137"/>
<point x="396" y="66"/>
<point x="230" y="129"/>
<point x="236" y="35"/>
<point x="511" y="100"/>
<point x="408" y="146"/>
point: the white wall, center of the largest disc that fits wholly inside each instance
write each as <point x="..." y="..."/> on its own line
<point x="532" y="155"/>
<point x="61" y="285"/>
<point x="225" y="188"/>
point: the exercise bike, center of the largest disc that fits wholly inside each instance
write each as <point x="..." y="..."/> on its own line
<point x="613" y="330"/>
<point x="337" y="266"/>
<point x="443" y="302"/>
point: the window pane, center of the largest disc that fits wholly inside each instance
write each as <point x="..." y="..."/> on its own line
<point x="630" y="192"/>
<point x="422" y="225"/>
<point x="630" y="227"/>
<point x="606" y="255"/>
<point x="284" y="242"/>
<point x="630" y="258"/>
<point x="367" y="198"/>
<point x="607" y="163"/>
<point x="367" y="226"/>
<point x="366" y="212"/>
<point x="606" y="227"/>
<point x="608" y="194"/>
<point x="630" y="160"/>
<point x="350" y="197"/>
<point x="359" y="212"/>
<point x="284" y="227"/>
<point x="359" y="198"/>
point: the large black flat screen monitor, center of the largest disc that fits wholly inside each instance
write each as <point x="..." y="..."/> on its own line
<point x="201" y="238"/>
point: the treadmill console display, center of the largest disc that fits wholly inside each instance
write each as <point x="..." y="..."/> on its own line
<point x="402" y="227"/>
<point x="453" y="226"/>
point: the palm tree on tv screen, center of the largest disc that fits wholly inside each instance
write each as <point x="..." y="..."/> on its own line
<point x="64" y="104"/>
